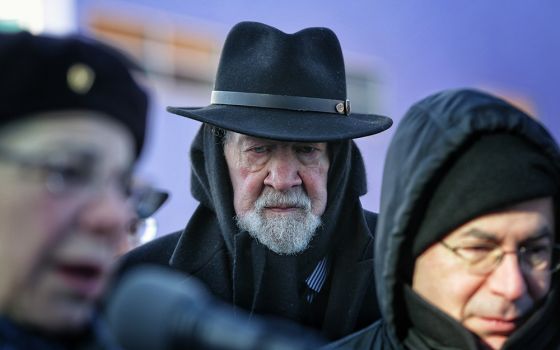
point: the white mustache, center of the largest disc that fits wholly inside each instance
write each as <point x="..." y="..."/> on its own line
<point x="293" y="198"/>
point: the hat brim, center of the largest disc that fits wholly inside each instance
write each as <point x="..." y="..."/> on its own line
<point x="287" y="125"/>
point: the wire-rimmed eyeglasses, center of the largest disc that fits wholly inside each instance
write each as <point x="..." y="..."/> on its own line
<point x="67" y="172"/>
<point x="482" y="259"/>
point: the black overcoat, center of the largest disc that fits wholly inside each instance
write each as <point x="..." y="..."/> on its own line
<point x="239" y="270"/>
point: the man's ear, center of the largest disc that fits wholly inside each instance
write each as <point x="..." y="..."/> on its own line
<point x="221" y="134"/>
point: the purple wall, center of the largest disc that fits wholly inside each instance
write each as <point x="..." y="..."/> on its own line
<point x="511" y="47"/>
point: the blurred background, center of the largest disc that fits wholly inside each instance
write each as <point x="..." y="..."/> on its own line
<point x="396" y="53"/>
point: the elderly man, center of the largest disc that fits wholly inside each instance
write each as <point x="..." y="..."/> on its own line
<point x="469" y="230"/>
<point x="280" y="229"/>
<point x="72" y="122"/>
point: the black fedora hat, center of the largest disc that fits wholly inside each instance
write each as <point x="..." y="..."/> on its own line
<point x="280" y="86"/>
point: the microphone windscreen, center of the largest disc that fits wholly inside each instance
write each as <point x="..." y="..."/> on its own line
<point x="141" y="310"/>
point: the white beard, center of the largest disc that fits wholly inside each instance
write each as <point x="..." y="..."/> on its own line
<point x="284" y="234"/>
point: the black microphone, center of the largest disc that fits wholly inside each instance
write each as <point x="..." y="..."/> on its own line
<point x="154" y="308"/>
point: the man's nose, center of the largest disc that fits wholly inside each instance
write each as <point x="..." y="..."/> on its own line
<point x="107" y="213"/>
<point x="283" y="172"/>
<point x="508" y="279"/>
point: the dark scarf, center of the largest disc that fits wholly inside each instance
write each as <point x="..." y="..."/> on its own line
<point x="432" y="329"/>
<point x="261" y="281"/>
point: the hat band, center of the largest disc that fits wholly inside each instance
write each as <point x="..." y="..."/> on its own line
<point x="296" y="103"/>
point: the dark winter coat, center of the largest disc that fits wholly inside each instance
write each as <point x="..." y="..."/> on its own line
<point x="430" y="134"/>
<point x="241" y="271"/>
<point x="15" y="337"/>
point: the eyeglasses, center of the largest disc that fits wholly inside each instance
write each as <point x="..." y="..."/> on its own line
<point x="483" y="258"/>
<point x="146" y="200"/>
<point x="67" y="173"/>
<point x="142" y="230"/>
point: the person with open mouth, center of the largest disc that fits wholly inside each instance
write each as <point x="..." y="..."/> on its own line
<point x="72" y="123"/>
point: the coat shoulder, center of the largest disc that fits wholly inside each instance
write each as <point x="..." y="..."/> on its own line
<point x="156" y="252"/>
<point x="371" y="220"/>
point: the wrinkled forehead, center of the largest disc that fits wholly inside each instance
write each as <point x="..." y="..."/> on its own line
<point x="240" y="139"/>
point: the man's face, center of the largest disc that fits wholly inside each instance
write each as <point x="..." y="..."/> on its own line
<point x="491" y="304"/>
<point x="62" y="216"/>
<point x="279" y="189"/>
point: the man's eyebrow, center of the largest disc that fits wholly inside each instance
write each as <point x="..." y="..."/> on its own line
<point x="477" y="233"/>
<point x="309" y="144"/>
<point x="252" y="140"/>
<point x="543" y="232"/>
<point x="72" y="151"/>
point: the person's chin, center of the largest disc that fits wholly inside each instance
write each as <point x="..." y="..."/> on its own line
<point x="56" y="317"/>
<point x="494" y="342"/>
<point x="69" y="317"/>
<point x="494" y="331"/>
<point x="56" y="306"/>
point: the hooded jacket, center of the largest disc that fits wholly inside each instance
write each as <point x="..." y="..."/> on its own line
<point x="430" y="134"/>
<point x="241" y="271"/>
